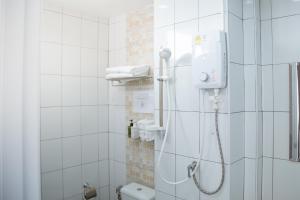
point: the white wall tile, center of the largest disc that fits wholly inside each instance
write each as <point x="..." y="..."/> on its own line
<point x="72" y="181"/>
<point x="118" y="173"/>
<point x="51" y="7"/>
<point x="52" y="186"/>
<point x="89" y="62"/>
<point x="103" y="36"/>
<point x="104" y="193"/>
<point x="267" y="185"/>
<point x="184" y="34"/>
<point x="211" y="182"/>
<point x="71" y="60"/>
<point x="286" y="44"/>
<point x="117" y="119"/>
<point x="267" y="88"/>
<point x="250" y="179"/>
<point x="51" y="155"/>
<point x="286" y="180"/>
<point x="235" y="28"/>
<point x="103" y="146"/>
<point x="71" y="151"/>
<point x="268" y="131"/>
<point x="282" y="8"/>
<point x="71" y="121"/>
<point x="170" y="143"/>
<point x="213" y="22"/>
<point x="236" y="7"/>
<point x="236" y="90"/>
<point x="50" y="91"/>
<point x="250" y="72"/>
<point x="236" y="138"/>
<point x="187" y="96"/>
<point x="266" y="42"/>
<point x="103" y="91"/>
<point x="103" y="173"/>
<point x="281" y="135"/>
<point x="187" y="133"/>
<point x="89" y="34"/>
<point x="70" y="91"/>
<point x="187" y="190"/>
<point x="89" y="91"/>
<point x="90" y="174"/>
<point x="167" y="171"/>
<point x="117" y="147"/>
<point x="90" y="148"/>
<point x="208" y="139"/>
<point x="103" y="119"/>
<point x="281" y="87"/>
<point x="164" y="12"/>
<point x="248" y="9"/>
<point x="185" y="10"/>
<point x="117" y="95"/>
<point x="102" y="62"/>
<point x="237" y="171"/>
<point x="249" y="41"/>
<point x="207" y="8"/>
<point x="51" y="26"/>
<point x="164" y="37"/>
<point x="265" y="9"/>
<point x="50" y="58"/>
<point x="251" y="135"/>
<point x="89" y="119"/>
<point x="50" y="123"/>
<point x="71" y="30"/>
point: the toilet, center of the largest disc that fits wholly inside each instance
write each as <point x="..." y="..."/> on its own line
<point x="135" y="191"/>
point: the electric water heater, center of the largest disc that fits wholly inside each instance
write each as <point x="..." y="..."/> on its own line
<point x="209" y="63"/>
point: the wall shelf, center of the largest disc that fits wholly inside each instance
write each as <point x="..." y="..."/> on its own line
<point x="125" y="80"/>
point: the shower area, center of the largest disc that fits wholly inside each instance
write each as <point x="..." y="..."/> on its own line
<point x="116" y="100"/>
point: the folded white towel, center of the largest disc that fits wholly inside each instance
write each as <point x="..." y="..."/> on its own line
<point x="134" y="70"/>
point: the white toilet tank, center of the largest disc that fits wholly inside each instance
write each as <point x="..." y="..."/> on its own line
<point x="135" y="191"/>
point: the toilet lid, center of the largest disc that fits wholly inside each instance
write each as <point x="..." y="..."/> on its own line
<point x="138" y="191"/>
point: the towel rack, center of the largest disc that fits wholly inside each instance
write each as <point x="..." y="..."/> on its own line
<point x="123" y="81"/>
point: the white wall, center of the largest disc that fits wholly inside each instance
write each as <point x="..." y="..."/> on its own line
<point x="280" y="46"/>
<point x="74" y="108"/>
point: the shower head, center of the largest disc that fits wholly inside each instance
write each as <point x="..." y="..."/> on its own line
<point x="165" y="53"/>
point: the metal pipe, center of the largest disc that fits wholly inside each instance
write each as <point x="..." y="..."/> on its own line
<point x="294" y="111"/>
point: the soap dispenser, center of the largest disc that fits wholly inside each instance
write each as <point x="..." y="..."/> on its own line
<point x="129" y="128"/>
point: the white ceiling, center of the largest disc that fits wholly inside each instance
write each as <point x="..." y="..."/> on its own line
<point x="105" y="8"/>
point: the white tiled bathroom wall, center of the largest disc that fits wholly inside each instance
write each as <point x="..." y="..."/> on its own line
<point x="74" y="104"/>
<point x="176" y="22"/>
<point x="253" y="114"/>
<point x="280" y="46"/>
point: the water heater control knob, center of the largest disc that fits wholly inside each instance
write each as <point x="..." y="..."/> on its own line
<point x="203" y="76"/>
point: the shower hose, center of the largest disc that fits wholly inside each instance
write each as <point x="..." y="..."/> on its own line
<point x="194" y="164"/>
